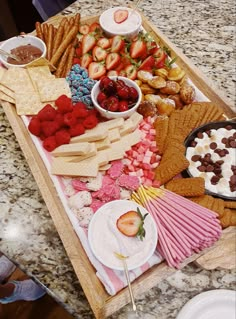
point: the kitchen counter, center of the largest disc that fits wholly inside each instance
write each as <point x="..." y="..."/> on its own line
<point x="205" y="32"/>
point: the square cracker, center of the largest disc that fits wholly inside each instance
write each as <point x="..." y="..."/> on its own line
<point x="17" y="79"/>
<point x="28" y="104"/>
<point x="49" y="90"/>
<point x="7" y="91"/>
<point x="6" y="97"/>
<point x="2" y="71"/>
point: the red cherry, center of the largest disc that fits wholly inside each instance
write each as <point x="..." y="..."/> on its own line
<point x="123" y="92"/>
<point x="101" y="97"/>
<point x="104" y="81"/>
<point x="123" y="106"/>
<point x="113" y="103"/>
<point x="133" y="93"/>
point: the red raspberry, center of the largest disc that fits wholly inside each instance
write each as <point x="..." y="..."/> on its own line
<point x="62" y="137"/>
<point x="69" y="119"/>
<point x="59" y="119"/>
<point x="90" y="121"/>
<point x="64" y="104"/>
<point x="34" y="126"/>
<point x="76" y="130"/>
<point x="49" y="128"/>
<point x="80" y="110"/>
<point x="80" y="105"/>
<point x="50" y="143"/>
<point x="48" y="113"/>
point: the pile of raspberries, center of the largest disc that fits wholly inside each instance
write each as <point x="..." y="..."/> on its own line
<point x="56" y="126"/>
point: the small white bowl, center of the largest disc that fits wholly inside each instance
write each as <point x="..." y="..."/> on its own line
<point x="114" y="115"/>
<point x="129" y="28"/>
<point x="20" y="40"/>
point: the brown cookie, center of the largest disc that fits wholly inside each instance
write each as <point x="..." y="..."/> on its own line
<point x="170" y="168"/>
<point x="161" y="127"/>
<point x="188" y="187"/>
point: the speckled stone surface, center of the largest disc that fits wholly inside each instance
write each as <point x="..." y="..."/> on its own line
<point x="205" y="32"/>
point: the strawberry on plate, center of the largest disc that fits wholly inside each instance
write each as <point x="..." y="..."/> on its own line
<point x="131" y="224"/>
<point x="88" y="42"/>
<point x="96" y="70"/>
<point x="117" y="43"/>
<point x="112" y="60"/>
<point x="98" y="53"/>
<point x="138" y="49"/>
<point x="104" y="43"/>
<point x="121" y="15"/>
<point x="85" y="60"/>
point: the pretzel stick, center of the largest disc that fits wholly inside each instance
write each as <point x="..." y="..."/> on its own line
<point x="77" y="19"/>
<point x="60" y="68"/>
<point x="67" y="40"/>
<point x="39" y="31"/>
<point x="50" y="41"/>
<point x="71" y="22"/>
<point x="69" y="61"/>
<point x="66" y="27"/>
<point x="45" y="33"/>
<point x="58" y="39"/>
<point x="63" y="22"/>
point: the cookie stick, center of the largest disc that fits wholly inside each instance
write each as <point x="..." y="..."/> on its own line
<point x="67" y="40"/>
<point x="50" y="41"/>
<point x="39" y="31"/>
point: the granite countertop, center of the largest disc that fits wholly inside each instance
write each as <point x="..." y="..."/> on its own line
<point x="205" y="32"/>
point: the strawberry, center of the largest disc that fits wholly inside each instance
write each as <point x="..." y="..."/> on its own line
<point x="84" y="29"/>
<point x="76" y="61"/>
<point x="99" y="53"/>
<point x="96" y="70"/>
<point x="112" y="73"/>
<point x="85" y="60"/>
<point x="137" y="48"/>
<point x="34" y="126"/>
<point x="148" y="63"/>
<point x="160" y="56"/>
<point x="131" y="72"/>
<point x="50" y="143"/>
<point x="88" y="42"/>
<point x="62" y="137"/>
<point x="48" y="113"/>
<point x="95" y="27"/>
<point x="112" y="60"/>
<point x="104" y="43"/>
<point x="131" y="224"/>
<point x="117" y="43"/>
<point x="78" y="51"/>
<point x="120" y="15"/>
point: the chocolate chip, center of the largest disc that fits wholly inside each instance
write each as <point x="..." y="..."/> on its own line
<point x="210" y="168"/>
<point x="232" y="144"/>
<point x="234" y="135"/>
<point x="195" y="158"/>
<point x="193" y="143"/>
<point x="233" y="179"/>
<point x="200" y="135"/>
<point x="228" y="127"/>
<point x="214" y="180"/>
<point x="202" y="168"/>
<point x="213" y="146"/>
<point x="224" y="140"/>
<point x="217" y="170"/>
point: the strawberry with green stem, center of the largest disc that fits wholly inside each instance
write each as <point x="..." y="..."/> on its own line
<point x="131" y="224"/>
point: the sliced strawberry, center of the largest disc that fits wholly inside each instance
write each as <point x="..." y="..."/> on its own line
<point x="85" y="60"/>
<point x="112" y="60"/>
<point x="138" y="48"/>
<point x="76" y="61"/>
<point x="148" y="63"/>
<point x="88" y="42"/>
<point x="131" y="72"/>
<point x="160" y="55"/>
<point x="78" y="51"/>
<point x="120" y="15"/>
<point x="131" y="224"/>
<point x="112" y="73"/>
<point x="95" y="27"/>
<point x="99" y="54"/>
<point x="104" y="43"/>
<point x="117" y="43"/>
<point x="84" y="29"/>
<point x="96" y="70"/>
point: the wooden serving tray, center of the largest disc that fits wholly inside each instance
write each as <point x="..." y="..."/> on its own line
<point x="101" y="303"/>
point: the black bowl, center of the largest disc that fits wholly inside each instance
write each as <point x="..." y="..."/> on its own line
<point x="193" y="135"/>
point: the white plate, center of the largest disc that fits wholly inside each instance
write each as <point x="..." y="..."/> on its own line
<point x="104" y="237"/>
<point x="214" y="304"/>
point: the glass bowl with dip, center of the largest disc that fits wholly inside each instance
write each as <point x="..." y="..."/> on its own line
<point x="26" y="48"/>
<point x="122" y="21"/>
